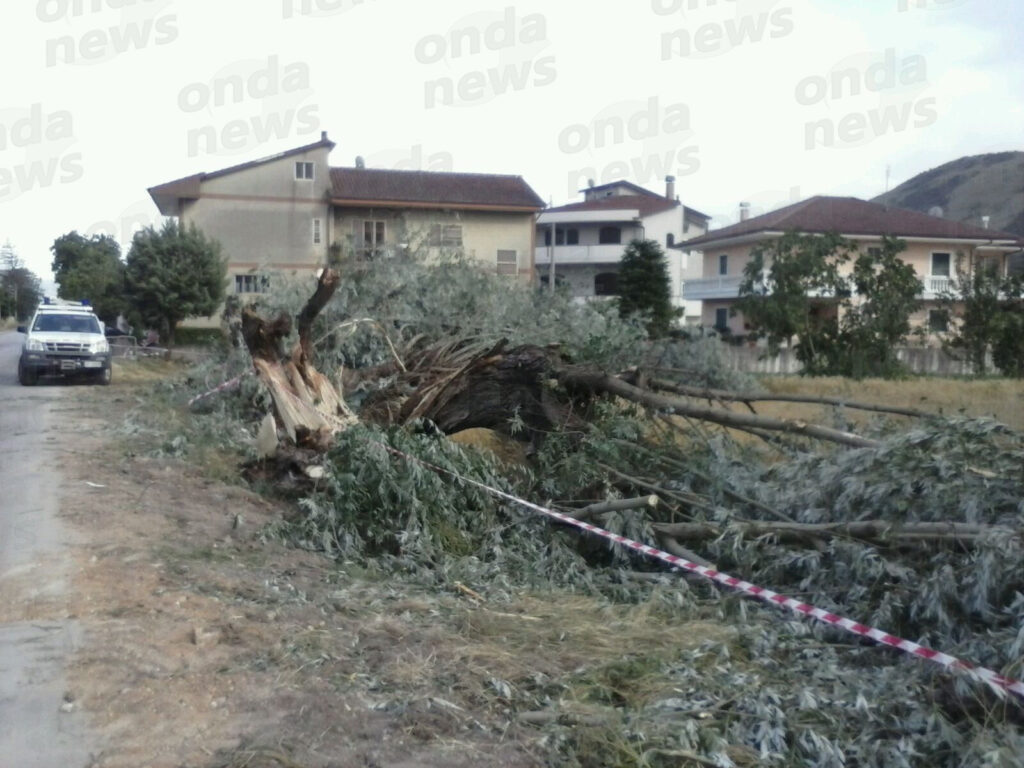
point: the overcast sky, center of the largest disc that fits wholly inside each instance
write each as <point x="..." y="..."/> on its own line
<point x="767" y="101"/>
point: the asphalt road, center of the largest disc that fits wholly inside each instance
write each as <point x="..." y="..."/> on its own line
<point x="34" y="655"/>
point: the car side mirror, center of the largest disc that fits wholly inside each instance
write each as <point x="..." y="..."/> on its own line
<point x="22" y="329"/>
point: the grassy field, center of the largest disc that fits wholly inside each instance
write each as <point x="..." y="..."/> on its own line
<point x="1001" y="399"/>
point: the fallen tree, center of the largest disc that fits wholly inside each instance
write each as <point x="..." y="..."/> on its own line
<point x="916" y="529"/>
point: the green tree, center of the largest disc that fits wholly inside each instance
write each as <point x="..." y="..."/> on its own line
<point x="644" y="286"/>
<point x="988" y="310"/>
<point x="1008" y="344"/>
<point x="90" y="268"/>
<point x="796" y="286"/>
<point x="791" y="288"/>
<point x="872" y="327"/>
<point x="173" y="274"/>
<point x="20" y="288"/>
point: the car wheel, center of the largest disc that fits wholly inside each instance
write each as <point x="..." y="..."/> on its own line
<point x="104" y="377"/>
<point x="26" y="377"/>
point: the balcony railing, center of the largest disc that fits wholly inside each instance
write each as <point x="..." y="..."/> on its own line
<point x="729" y="287"/>
<point x="937" y="285"/>
<point x="722" y="287"/>
<point x="581" y="254"/>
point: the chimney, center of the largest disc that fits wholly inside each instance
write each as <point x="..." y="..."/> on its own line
<point x="744" y="211"/>
<point x="985" y="220"/>
<point x="360" y="163"/>
<point x="670" y="187"/>
<point x="323" y="135"/>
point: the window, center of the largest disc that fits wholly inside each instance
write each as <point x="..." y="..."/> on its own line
<point x="938" y="321"/>
<point x="252" y="283"/>
<point x="303" y="170"/>
<point x="508" y="263"/>
<point x="562" y="236"/>
<point x="609" y="236"/>
<point x="670" y="240"/>
<point x="445" y="236"/>
<point x="723" y="264"/>
<point x="606" y="284"/>
<point x="874" y="252"/>
<point x="317" y="236"/>
<point x="940" y="264"/>
<point x="722" y="318"/>
<point x="373" y="237"/>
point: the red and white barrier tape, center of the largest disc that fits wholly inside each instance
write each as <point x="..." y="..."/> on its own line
<point x="998" y="683"/>
<point x="231" y="383"/>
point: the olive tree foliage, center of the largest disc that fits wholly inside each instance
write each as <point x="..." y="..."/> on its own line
<point x="172" y="274"/>
<point x="645" y="287"/>
<point x="90" y="268"/>
<point x="847" y="309"/>
<point x="787" y="691"/>
<point x="987" y="310"/>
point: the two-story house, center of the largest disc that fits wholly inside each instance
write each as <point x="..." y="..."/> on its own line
<point x="934" y="247"/>
<point x="288" y="212"/>
<point x="586" y="240"/>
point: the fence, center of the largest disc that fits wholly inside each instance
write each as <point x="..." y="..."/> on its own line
<point x="922" y="360"/>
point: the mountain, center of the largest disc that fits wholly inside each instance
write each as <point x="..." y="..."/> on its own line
<point x="967" y="189"/>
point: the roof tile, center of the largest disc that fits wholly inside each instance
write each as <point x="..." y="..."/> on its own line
<point x="851" y="216"/>
<point x="380" y="185"/>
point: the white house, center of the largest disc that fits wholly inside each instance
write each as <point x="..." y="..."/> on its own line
<point x="586" y="240"/>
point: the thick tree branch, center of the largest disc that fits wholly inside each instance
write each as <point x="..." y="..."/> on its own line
<point x="748" y="397"/>
<point x="869" y="530"/>
<point x="600" y="382"/>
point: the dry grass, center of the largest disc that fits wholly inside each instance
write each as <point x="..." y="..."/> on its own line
<point x="144" y="370"/>
<point x="1001" y="399"/>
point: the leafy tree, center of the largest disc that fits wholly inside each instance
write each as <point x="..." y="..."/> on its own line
<point x="644" y="286"/>
<point x="791" y="287"/>
<point x="90" y="268"/>
<point x="1008" y="344"/>
<point x="20" y="289"/>
<point x="173" y="274"/>
<point x="796" y="286"/>
<point x="989" y="313"/>
<point x="873" y="327"/>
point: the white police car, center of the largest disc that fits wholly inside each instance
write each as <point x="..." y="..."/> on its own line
<point x="64" y="339"/>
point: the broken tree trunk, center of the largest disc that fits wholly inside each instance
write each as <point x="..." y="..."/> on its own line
<point x="306" y="404"/>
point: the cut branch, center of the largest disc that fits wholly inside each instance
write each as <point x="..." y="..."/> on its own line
<point x="615" y="505"/>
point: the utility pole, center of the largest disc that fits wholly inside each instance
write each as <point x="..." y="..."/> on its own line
<point x="551" y="253"/>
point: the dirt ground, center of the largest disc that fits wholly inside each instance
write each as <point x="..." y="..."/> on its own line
<point x="206" y="645"/>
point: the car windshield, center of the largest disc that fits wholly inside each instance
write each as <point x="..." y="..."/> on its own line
<point x="69" y="323"/>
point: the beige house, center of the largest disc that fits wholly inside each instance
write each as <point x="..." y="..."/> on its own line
<point x="289" y="212"/>
<point x="934" y="247"/>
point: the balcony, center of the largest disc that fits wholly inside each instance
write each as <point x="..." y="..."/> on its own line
<point x="581" y="254"/>
<point x="934" y="286"/>
<point x="729" y="288"/>
<point x="722" y="287"/>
